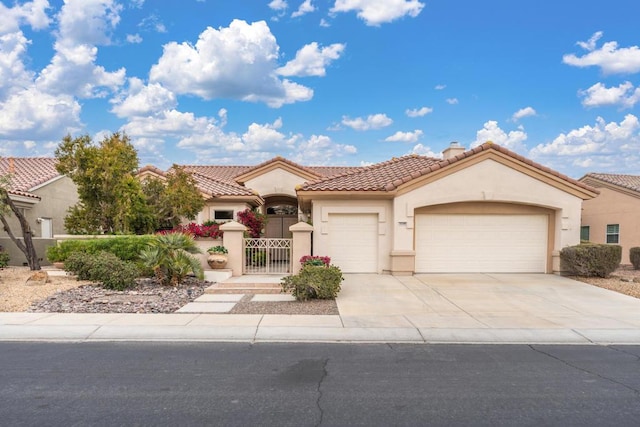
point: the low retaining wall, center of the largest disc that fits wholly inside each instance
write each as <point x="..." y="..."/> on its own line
<point x="17" y="258"/>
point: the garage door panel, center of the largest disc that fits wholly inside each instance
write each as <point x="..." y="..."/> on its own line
<point x="353" y="242"/>
<point x="481" y="243"/>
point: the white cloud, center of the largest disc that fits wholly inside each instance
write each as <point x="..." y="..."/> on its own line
<point x="522" y="113"/>
<point x="83" y="24"/>
<point x="452" y="101"/>
<point x="311" y="60"/>
<point x="13" y="75"/>
<point x="278" y="5"/>
<point x="134" y="38"/>
<point x="33" y="13"/>
<point x="305" y="7"/>
<point x="418" y="112"/>
<point x="31" y="114"/>
<point x="141" y="100"/>
<point x="514" y="140"/>
<point x="603" y="147"/>
<point x="153" y="23"/>
<point x="423" y="150"/>
<point x="376" y="12"/>
<point x="609" y="57"/>
<point x="440" y="87"/>
<point x="405" y="136"/>
<point x="321" y="150"/>
<point x="625" y="95"/>
<point x="374" y="121"/>
<point x="236" y="62"/>
<point x="324" y="23"/>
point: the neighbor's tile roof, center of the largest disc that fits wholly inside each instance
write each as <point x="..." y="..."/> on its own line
<point x="389" y="175"/>
<point x="28" y="172"/>
<point x="630" y="182"/>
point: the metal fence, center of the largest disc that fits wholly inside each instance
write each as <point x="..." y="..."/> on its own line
<point x="267" y="256"/>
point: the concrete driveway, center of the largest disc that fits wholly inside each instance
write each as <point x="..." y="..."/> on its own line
<point x="477" y="301"/>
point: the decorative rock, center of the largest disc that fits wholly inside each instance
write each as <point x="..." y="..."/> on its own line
<point x="38" y="278"/>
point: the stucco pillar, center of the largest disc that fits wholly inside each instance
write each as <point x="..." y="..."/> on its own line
<point x="232" y="240"/>
<point x="301" y="244"/>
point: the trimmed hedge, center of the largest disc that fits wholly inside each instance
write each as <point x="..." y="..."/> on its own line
<point x="314" y="282"/>
<point x="103" y="267"/>
<point x="634" y="256"/>
<point x="591" y="259"/>
<point x="127" y="248"/>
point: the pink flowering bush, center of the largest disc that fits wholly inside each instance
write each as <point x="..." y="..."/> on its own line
<point x="197" y="230"/>
<point x="315" y="260"/>
<point x="254" y="221"/>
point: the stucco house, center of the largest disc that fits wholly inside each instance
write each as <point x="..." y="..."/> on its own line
<point x="483" y="210"/>
<point x="614" y="216"/>
<point x="43" y="194"/>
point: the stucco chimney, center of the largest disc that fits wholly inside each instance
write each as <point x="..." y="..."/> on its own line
<point x="12" y="166"/>
<point x="453" y="150"/>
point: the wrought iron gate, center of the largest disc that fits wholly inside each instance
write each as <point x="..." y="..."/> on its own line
<point x="267" y="256"/>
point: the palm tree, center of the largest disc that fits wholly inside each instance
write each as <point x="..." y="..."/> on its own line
<point x="168" y="256"/>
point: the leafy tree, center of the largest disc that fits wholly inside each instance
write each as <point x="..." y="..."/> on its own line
<point x="7" y="207"/>
<point x="111" y="198"/>
<point x="175" y="198"/>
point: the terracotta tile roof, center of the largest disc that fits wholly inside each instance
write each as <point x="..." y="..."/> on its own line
<point x="377" y="177"/>
<point x="387" y="176"/>
<point x="153" y="169"/>
<point x="630" y="182"/>
<point x="220" y="180"/>
<point x="220" y="188"/>
<point x="28" y="173"/>
<point x="282" y="159"/>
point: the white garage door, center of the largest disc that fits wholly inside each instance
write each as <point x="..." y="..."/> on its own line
<point x="353" y="242"/>
<point x="481" y="243"/>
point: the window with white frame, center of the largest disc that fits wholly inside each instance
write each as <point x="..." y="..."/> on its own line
<point x="613" y="233"/>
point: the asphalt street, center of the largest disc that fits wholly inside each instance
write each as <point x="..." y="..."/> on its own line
<point x="270" y="384"/>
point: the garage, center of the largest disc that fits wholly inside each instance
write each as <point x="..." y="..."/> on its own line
<point x="353" y="242"/>
<point x="481" y="243"/>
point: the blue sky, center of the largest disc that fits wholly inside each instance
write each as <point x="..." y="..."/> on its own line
<point x="339" y="82"/>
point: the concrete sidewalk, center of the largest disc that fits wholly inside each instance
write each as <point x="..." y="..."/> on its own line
<point x="481" y="308"/>
<point x="280" y="328"/>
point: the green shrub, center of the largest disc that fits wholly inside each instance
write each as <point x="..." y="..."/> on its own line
<point x="591" y="259"/>
<point x="314" y="282"/>
<point x="634" y="256"/>
<point x="112" y="272"/>
<point x="102" y="267"/>
<point x="127" y="248"/>
<point x="4" y="259"/>
<point x="79" y="264"/>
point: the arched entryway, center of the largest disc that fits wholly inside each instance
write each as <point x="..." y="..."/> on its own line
<point x="282" y="213"/>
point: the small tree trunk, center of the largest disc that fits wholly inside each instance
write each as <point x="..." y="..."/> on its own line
<point x="26" y="247"/>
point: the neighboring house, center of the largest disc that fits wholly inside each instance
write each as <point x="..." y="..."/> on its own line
<point x="482" y="210"/>
<point x="43" y="194"/>
<point x="614" y="216"/>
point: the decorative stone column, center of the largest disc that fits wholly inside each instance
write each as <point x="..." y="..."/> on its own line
<point x="232" y="240"/>
<point x="301" y="244"/>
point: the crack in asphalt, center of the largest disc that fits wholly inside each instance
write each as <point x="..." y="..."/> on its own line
<point x="319" y="389"/>
<point x="628" y="387"/>
<point x="624" y="352"/>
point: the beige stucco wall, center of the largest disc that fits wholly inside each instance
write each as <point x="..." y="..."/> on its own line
<point x="488" y="180"/>
<point x="613" y="207"/>
<point x="277" y="181"/>
<point x="383" y="208"/>
<point x="209" y="209"/>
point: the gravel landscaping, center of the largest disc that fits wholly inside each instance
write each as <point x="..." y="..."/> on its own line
<point x="65" y="294"/>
